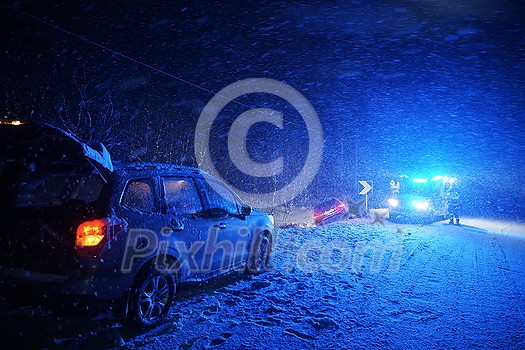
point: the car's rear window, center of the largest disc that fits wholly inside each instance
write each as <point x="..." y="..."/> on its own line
<point x="40" y="189"/>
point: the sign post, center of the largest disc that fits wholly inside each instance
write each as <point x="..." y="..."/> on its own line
<point x="366" y="188"/>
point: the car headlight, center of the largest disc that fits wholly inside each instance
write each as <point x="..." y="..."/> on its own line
<point x="393" y="202"/>
<point x="420" y="205"/>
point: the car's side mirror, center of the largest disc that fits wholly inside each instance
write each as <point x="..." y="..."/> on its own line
<point x="246" y="210"/>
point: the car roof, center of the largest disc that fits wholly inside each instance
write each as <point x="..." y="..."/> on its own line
<point x="163" y="168"/>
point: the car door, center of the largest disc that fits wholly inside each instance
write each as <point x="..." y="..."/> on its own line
<point x="140" y="207"/>
<point x="228" y="237"/>
<point x="185" y="228"/>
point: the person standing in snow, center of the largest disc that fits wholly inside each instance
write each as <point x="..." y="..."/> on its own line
<point x="453" y="208"/>
<point x="394" y="187"/>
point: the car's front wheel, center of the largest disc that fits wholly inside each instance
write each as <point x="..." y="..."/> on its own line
<point x="259" y="259"/>
<point x="151" y="297"/>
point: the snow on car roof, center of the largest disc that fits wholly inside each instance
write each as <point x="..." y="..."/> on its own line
<point x="157" y="166"/>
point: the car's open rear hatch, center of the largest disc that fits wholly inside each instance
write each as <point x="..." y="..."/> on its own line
<point x="42" y="146"/>
<point x="49" y="183"/>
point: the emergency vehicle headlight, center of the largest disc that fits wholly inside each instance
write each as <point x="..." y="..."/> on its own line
<point x="393" y="202"/>
<point x="420" y="205"/>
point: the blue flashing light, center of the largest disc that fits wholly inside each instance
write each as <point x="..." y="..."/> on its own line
<point x="420" y="181"/>
<point x="437" y="178"/>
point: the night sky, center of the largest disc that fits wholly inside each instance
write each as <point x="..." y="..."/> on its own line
<point x="400" y="87"/>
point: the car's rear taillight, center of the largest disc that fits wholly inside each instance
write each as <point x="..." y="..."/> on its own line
<point x="92" y="236"/>
<point x="91" y="233"/>
<point x="341" y="206"/>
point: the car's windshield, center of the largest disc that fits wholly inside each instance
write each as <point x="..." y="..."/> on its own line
<point x="418" y="189"/>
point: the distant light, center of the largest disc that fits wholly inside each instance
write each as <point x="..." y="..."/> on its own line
<point x="437" y="178"/>
<point x="11" y="122"/>
<point x="420" y="205"/>
<point x="420" y="181"/>
<point x="393" y="202"/>
<point x="451" y="180"/>
<point x="445" y="179"/>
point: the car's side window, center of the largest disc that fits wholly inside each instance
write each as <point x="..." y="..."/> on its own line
<point x="139" y="195"/>
<point x="221" y="197"/>
<point x="181" y="196"/>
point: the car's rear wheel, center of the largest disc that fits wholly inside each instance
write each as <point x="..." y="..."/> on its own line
<point x="151" y="297"/>
<point x="260" y="255"/>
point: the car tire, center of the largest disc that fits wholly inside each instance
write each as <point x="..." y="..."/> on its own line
<point x="259" y="258"/>
<point x="151" y="297"/>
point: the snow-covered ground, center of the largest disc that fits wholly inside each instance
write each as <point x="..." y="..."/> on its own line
<point x="345" y="285"/>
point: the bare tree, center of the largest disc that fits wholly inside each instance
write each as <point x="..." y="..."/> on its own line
<point x="89" y="119"/>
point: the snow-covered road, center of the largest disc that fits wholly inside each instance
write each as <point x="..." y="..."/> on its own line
<point x="345" y="285"/>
